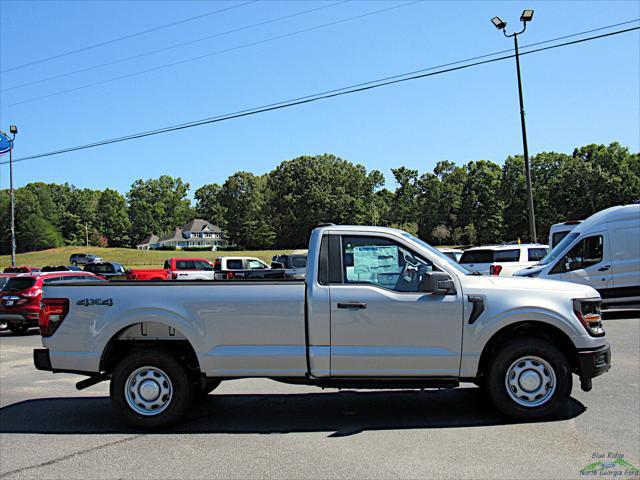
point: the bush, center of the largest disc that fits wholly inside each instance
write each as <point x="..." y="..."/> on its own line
<point x="197" y="249"/>
<point x="167" y="247"/>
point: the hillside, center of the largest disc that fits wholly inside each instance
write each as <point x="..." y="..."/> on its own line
<point x="129" y="257"/>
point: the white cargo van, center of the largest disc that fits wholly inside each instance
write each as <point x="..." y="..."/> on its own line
<point x="603" y="252"/>
<point x="559" y="230"/>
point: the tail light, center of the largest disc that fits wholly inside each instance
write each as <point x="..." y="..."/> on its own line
<point x="588" y="312"/>
<point x="31" y="292"/>
<point x="52" y="313"/>
<point x="495" y="269"/>
<point x="230" y="275"/>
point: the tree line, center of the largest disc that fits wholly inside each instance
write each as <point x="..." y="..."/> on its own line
<point x="476" y="203"/>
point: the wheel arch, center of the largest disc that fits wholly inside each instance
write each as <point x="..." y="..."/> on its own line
<point x="144" y="334"/>
<point x="534" y="329"/>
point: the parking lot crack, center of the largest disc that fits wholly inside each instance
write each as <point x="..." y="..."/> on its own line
<point x="71" y="455"/>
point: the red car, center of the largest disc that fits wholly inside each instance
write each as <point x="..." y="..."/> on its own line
<point x="21" y="269"/>
<point x="20" y="297"/>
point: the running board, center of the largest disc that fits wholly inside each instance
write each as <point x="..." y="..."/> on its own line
<point x="373" y="383"/>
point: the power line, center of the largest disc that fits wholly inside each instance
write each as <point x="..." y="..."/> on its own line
<point x="218" y="52"/>
<point x="312" y="98"/>
<point x="174" y="46"/>
<point x="125" y="37"/>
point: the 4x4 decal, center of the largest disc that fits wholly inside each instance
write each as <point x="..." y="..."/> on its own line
<point x="95" y="301"/>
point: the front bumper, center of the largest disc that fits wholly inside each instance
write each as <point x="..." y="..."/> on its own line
<point x="41" y="359"/>
<point x="592" y="363"/>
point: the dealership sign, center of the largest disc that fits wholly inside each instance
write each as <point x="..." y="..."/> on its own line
<point x="6" y="143"/>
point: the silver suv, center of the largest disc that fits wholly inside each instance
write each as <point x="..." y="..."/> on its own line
<point x="83" y="259"/>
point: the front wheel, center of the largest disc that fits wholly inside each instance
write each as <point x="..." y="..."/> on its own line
<point x="151" y="389"/>
<point x="529" y="378"/>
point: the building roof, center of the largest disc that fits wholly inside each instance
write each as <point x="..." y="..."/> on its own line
<point x="149" y="239"/>
<point x="176" y="235"/>
<point x="198" y="224"/>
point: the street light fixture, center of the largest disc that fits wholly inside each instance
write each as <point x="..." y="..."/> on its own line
<point x="527" y="16"/>
<point x="499" y="24"/>
<point x="13" y="129"/>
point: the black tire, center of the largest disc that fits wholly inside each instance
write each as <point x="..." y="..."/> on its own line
<point x="210" y="386"/>
<point x="497" y="386"/>
<point x="75" y="264"/>
<point x="180" y="386"/>
<point x="18" y="329"/>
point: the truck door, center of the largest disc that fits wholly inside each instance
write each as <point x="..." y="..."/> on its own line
<point x="381" y="324"/>
<point x="588" y="262"/>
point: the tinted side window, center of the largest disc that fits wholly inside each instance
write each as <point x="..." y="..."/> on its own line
<point x="477" y="256"/>
<point x="234" y="264"/>
<point x="555" y="239"/>
<point x="584" y="254"/>
<point x="536" y="254"/>
<point x="506" y="256"/>
<point x="166" y="265"/>
<point x="185" y="265"/>
<point x="379" y="261"/>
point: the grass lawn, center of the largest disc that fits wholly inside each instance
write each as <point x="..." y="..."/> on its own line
<point x="129" y="257"/>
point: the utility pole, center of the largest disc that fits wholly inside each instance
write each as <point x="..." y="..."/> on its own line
<point x="526" y="17"/>
<point x="7" y="144"/>
<point x="86" y="234"/>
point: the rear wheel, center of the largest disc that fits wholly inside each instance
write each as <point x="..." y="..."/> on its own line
<point x="151" y="389"/>
<point x="529" y="378"/>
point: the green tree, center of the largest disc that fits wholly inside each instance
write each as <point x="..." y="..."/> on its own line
<point x="441" y="233"/>
<point x="36" y="233"/>
<point x="242" y="197"/>
<point x="157" y="206"/>
<point x="112" y="219"/>
<point x="481" y="202"/>
<point x="306" y="191"/>
<point x="208" y="204"/>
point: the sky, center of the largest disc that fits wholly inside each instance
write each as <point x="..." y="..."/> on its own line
<point x="575" y="95"/>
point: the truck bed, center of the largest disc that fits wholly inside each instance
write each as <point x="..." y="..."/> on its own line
<point x="226" y="322"/>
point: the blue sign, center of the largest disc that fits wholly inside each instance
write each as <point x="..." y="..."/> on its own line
<point x="6" y="143"/>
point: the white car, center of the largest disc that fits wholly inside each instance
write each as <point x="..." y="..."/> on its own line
<point x="452" y="253"/>
<point x="237" y="267"/>
<point x="503" y="260"/>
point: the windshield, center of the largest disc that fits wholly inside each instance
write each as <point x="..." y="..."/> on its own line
<point x="452" y="263"/>
<point x="17" y="284"/>
<point x="559" y="248"/>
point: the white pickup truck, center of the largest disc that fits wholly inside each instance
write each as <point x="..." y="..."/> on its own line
<point x="378" y="308"/>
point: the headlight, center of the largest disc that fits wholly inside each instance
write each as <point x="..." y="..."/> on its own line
<point x="588" y="312"/>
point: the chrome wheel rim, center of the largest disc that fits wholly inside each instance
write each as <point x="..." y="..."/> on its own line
<point x="530" y="381"/>
<point x="148" y="391"/>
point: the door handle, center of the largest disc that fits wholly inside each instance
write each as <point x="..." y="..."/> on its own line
<point x="605" y="268"/>
<point x="360" y="305"/>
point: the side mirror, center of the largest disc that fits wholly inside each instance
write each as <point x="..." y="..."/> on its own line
<point x="438" y="283"/>
<point x="277" y="265"/>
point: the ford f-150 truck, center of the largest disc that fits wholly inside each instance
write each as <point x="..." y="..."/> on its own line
<point x="379" y="308"/>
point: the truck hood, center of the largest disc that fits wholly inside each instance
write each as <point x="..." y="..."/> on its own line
<point x="573" y="290"/>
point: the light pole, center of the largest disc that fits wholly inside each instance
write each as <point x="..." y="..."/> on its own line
<point x="527" y="16"/>
<point x="14" y="130"/>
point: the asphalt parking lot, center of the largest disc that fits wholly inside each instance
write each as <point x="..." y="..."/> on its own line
<point x="262" y="429"/>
